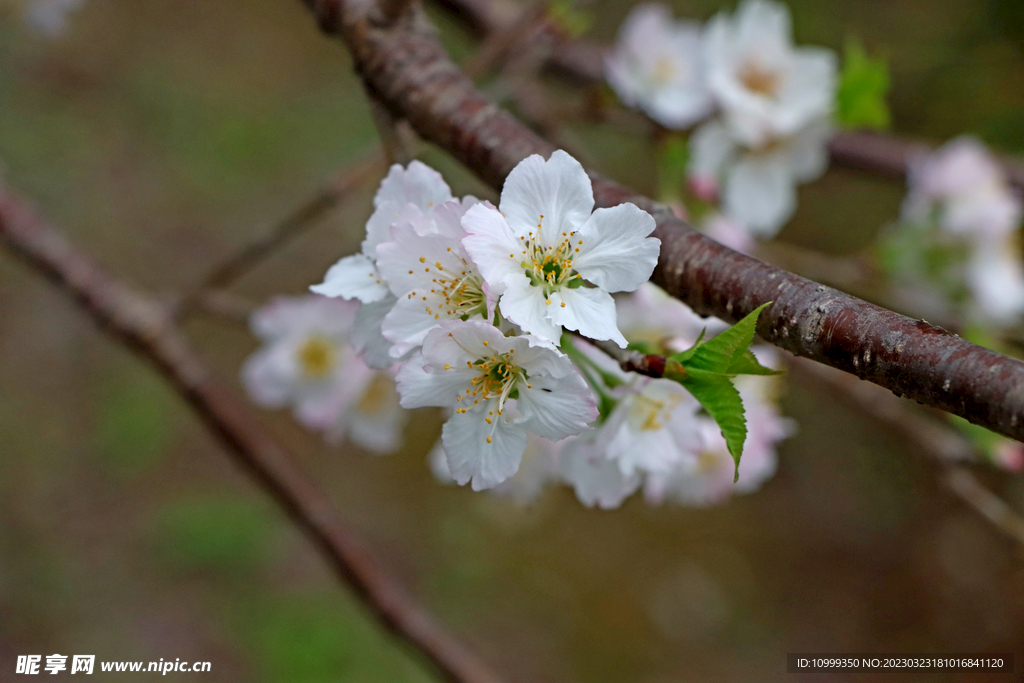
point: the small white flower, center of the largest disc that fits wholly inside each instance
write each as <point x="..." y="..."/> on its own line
<point x="406" y="194"/>
<point x="658" y="65"/>
<point x="597" y="481"/>
<point x="375" y="422"/>
<point x="306" y="362"/>
<point x="967" y="188"/>
<point x="552" y="258"/>
<point x="766" y="87"/>
<point x="759" y="184"/>
<point x="432" y="277"/>
<point x="472" y="368"/>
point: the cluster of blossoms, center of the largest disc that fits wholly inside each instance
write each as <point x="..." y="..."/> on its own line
<point x="467" y="306"/>
<point x="764" y="106"/>
<point x="656" y="438"/>
<point x="959" y="232"/>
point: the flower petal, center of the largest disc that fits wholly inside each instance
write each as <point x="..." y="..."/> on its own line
<point x="491" y="244"/>
<point x="557" y="189"/>
<point x="420" y="384"/>
<point x="556" y="408"/>
<point x="367" y="338"/>
<point x="353" y="277"/>
<point x="417" y="184"/>
<point x="760" y="193"/>
<point x="617" y="255"/>
<point x="526" y="306"/>
<point x="596" y="479"/>
<point x="591" y="312"/>
<point x="487" y="454"/>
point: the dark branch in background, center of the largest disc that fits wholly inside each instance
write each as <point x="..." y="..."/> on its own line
<point x="407" y="69"/>
<point x="582" y="62"/>
<point x="142" y="324"/>
<point x="306" y="216"/>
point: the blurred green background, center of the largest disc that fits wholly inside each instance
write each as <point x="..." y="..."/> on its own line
<point x="161" y="136"/>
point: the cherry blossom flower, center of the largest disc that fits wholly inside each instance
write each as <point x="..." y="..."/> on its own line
<point x="551" y="258"/>
<point x="766" y="88"/>
<point x="995" y="277"/>
<point x="306" y="362"/>
<point x="406" y="194"/>
<point x="758" y="185"/>
<point x="432" y="277"/>
<point x="500" y="388"/>
<point x="597" y="480"/>
<point x="728" y="231"/>
<point x="658" y="66"/>
<point x="966" y="188"/>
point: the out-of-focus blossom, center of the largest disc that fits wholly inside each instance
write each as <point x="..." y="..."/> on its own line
<point x="306" y="362"/>
<point x="658" y="66"/>
<point x="757" y="186"/>
<point x="767" y="88"/>
<point x="965" y="189"/>
<point x="473" y="369"/>
<point x="546" y="243"/>
<point x="728" y="231"/>
<point x="597" y="480"/>
<point x="995" y="276"/>
<point x="50" y="17"/>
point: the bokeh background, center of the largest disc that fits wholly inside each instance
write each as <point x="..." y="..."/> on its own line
<point x="162" y="136"/>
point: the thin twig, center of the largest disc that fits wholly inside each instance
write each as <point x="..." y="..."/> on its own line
<point x="326" y="199"/>
<point x="629" y="360"/>
<point x="141" y="324"/>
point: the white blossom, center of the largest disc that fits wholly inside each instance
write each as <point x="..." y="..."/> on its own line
<point x="766" y="87"/>
<point x="551" y="258"/>
<point x="540" y="466"/>
<point x="658" y="66"/>
<point x="758" y="185"/>
<point x="432" y="277"/>
<point x="406" y="194"/>
<point x="966" y="188"/>
<point x="597" y="480"/>
<point x="306" y="362"/>
<point x="499" y="387"/>
<point x="995" y="277"/>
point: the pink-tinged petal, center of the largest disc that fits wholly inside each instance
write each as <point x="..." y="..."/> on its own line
<point x="556" y="408"/>
<point x="353" y="277"/>
<point x="406" y="325"/>
<point x="270" y="374"/>
<point x="492" y="246"/>
<point x="591" y="312"/>
<point x="557" y="189"/>
<point x="367" y="339"/>
<point x="598" y="481"/>
<point x="617" y="255"/>
<point x="413" y="263"/>
<point x="421" y="384"/>
<point x="378" y="228"/>
<point x="416" y="184"/>
<point x="526" y="306"/>
<point x="484" y="453"/>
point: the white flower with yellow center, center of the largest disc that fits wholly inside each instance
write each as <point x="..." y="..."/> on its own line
<point x="766" y="87"/>
<point x="553" y="259"/>
<point x="499" y="388"/>
<point x="306" y="362"/>
<point x="406" y="194"/>
<point x="658" y="65"/>
<point x="432" y="276"/>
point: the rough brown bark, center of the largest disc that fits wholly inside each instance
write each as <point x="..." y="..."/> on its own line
<point x="143" y="325"/>
<point x="408" y="70"/>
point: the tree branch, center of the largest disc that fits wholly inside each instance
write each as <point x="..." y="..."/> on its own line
<point x="406" y="67"/>
<point x="142" y="325"/>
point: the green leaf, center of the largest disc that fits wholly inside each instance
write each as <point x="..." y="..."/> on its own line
<point x="574" y="21"/>
<point x="746" y="363"/>
<point x="718" y="354"/>
<point x="720" y="398"/>
<point x="863" y="85"/>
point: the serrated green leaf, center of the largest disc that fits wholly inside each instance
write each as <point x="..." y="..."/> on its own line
<point x="717" y="354"/>
<point x="863" y="86"/>
<point x="717" y="394"/>
<point x="746" y="363"/>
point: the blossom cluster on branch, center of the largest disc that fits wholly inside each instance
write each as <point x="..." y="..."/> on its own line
<point x="476" y="309"/>
<point x="764" y="106"/>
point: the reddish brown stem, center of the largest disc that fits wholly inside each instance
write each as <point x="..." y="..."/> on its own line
<point x="141" y="324"/>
